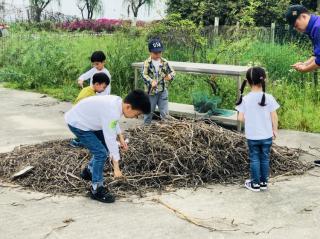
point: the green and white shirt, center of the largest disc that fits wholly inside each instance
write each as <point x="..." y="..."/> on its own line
<point x="99" y="113"/>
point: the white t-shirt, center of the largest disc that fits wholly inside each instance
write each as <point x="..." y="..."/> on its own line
<point x="89" y="74"/>
<point x="258" y="121"/>
<point x="156" y="65"/>
<point x="99" y="113"/>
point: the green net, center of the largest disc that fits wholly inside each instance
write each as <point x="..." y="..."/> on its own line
<point x="208" y="104"/>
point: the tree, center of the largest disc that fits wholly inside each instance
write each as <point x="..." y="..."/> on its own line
<point x="37" y="7"/>
<point x="2" y="9"/>
<point x="135" y="5"/>
<point x="258" y="12"/>
<point x="90" y="6"/>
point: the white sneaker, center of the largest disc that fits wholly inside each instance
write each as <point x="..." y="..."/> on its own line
<point x="252" y="186"/>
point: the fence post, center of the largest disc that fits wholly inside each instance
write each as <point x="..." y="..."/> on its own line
<point x="273" y="29"/>
<point x="216" y="26"/>
<point x="315" y="78"/>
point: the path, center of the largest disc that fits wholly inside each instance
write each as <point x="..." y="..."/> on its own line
<point x="290" y="209"/>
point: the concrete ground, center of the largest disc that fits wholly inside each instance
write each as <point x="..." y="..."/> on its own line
<point x="289" y="209"/>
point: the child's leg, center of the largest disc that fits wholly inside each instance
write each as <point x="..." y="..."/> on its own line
<point x="254" y="155"/>
<point x="163" y="103"/>
<point x="97" y="149"/>
<point x="90" y="164"/>
<point x="265" y="159"/>
<point x="100" y="136"/>
<point x="153" y="101"/>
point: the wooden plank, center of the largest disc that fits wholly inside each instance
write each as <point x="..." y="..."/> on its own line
<point x="218" y="69"/>
<point x="22" y="172"/>
<point x="187" y="111"/>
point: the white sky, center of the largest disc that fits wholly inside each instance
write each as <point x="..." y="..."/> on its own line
<point x="112" y="8"/>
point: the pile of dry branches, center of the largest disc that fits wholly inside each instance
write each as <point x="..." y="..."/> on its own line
<point x="161" y="156"/>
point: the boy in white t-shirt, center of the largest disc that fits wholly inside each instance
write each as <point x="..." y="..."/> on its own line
<point x="98" y="60"/>
<point x="258" y="111"/>
<point x="95" y="121"/>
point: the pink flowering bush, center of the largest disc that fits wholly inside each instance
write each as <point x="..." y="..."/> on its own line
<point x="99" y="25"/>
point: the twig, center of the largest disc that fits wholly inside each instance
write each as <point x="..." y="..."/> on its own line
<point x="67" y="223"/>
<point x="189" y="219"/>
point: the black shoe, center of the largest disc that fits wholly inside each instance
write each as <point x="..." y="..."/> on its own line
<point x="252" y="186"/>
<point x="263" y="186"/>
<point x="317" y="163"/>
<point x="102" y="195"/>
<point x="86" y="174"/>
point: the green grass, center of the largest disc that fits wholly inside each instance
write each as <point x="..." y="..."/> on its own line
<point x="50" y="63"/>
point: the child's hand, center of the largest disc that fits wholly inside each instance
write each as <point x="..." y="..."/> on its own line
<point x="275" y="134"/>
<point x="80" y="83"/>
<point x="116" y="169"/>
<point x="123" y="143"/>
<point x="154" y="84"/>
<point x="168" y="78"/>
<point x="117" y="174"/>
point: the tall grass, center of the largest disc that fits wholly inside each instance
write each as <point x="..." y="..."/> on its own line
<point x="52" y="62"/>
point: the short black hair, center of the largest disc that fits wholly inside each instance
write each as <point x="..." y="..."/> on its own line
<point x="101" y="78"/>
<point x="98" y="56"/>
<point x="139" y="100"/>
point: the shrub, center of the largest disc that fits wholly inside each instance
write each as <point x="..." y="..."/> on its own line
<point x="99" y="25"/>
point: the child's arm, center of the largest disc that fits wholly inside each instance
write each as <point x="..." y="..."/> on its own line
<point x="80" y="97"/>
<point x="171" y="73"/>
<point x="84" y="77"/>
<point x="241" y="110"/>
<point x="123" y="143"/>
<point x="110" y="136"/>
<point x="241" y="116"/>
<point x="116" y="169"/>
<point x="146" y="78"/>
<point x="274" y="118"/>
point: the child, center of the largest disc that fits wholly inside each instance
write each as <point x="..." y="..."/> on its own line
<point x="157" y="74"/>
<point x="100" y="82"/>
<point x="98" y="60"/>
<point x="258" y="110"/>
<point x="95" y="119"/>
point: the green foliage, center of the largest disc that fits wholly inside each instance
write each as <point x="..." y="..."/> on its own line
<point x="55" y="60"/>
<point x="33" y="26"/>
<point x="252" y="12"/>
<point x="50" y="63"/>
<point x="178" y="33"/>
<point x="247" y="13"/>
